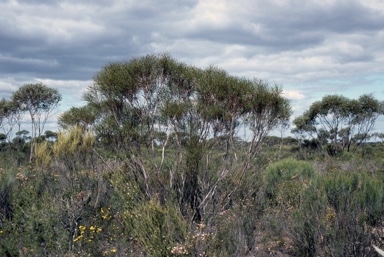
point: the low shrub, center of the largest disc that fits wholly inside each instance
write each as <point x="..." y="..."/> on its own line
<point x="284" y="179"/>
<point x="338" y="215"/>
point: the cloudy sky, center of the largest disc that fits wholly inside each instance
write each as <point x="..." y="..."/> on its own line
<point x="312" y="48"/>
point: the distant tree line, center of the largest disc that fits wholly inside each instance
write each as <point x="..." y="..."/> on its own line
<point x="155" y="96"/>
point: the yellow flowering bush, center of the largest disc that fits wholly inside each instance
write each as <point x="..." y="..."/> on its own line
<point x="103" y="232"/>
<point x="87" y="235"/>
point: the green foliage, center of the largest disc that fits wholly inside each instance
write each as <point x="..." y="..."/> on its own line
<point x="38" y="100"/>
<point x="53" y="197"/>
<point x="338" y="122"/>
<point x="358" y="192"/>
<point x="308" y="221"/>
<point x="6" y="109"/>
<point x="286" y="178"/>
<point x="156" y="227"/>
<point x="84" y="117"/>
<point x="10" y="116"/>
<point x="33" y="228"/>
<point x="337" y="215"/>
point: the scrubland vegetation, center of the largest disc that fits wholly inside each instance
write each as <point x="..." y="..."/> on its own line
<point x="166" y="159"/>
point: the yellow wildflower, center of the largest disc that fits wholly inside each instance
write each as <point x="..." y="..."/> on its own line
<point x="77" y="238"/>
<point x="99" y="230"/>
<point x="113" y="250"/>
<point x="92" y="228"/>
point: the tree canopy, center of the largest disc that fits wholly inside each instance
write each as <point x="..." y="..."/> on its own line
<point x="156" y="92"/>
<point x="38" y="100"/>
<point x="339" y="122"/>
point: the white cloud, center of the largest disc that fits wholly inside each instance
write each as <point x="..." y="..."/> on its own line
<point x="213" y="14"/>
<point x="76" y="85"/>
<point x="293" y="94"/>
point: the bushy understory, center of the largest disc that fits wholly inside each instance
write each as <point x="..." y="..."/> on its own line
<point x="77" y="199"/>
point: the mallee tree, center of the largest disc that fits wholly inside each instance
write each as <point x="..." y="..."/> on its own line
<point x="39" y="101"/>
<point x="145" y="103"/>
<point x="338" y="122"/>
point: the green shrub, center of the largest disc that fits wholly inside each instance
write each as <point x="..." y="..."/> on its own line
<point x="35" y="228"/>
<point x="157" y="227"/>
<point x="308" y="222"/>
<point x="337" y="215"/>
<point x="356" y="192"/>
<point x="284" y="179"/>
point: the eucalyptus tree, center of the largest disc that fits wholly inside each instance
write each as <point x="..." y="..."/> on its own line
<point x="142" y="99"/>
<point x="232" y="105"/>
<point x="146" y="102"/>
<point x="4" y="114"/>
<point x="340" y="122"/>
<point x="39" y="101"/>
<point x="10" y="116"/>
<point x="223" y="99"/>
<point x="363" y="119"/>
<point x="266" y="110"/>
<point x="84" y="117"/>
<point x="129" y="95"/>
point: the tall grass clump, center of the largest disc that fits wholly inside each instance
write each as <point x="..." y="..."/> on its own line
<point x="338" y="215"/>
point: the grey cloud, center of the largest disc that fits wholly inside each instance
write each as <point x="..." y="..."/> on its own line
<point x="340" y="16"/>
<point x="350" y="58"/>
<point x="126" y="32"/>
<point x="292" y="27"/>
<point x="68" y="61"/>
<point x="38" y="2"/>
<point x="75" y="39"/>
<point x="269" y="41"/>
